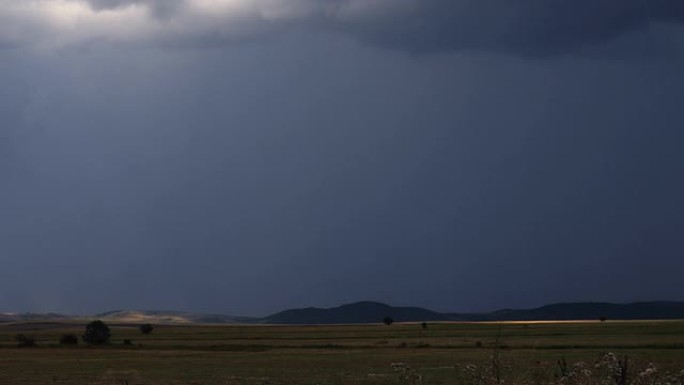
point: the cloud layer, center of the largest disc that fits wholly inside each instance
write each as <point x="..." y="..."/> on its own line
<point x="528" y="27"/>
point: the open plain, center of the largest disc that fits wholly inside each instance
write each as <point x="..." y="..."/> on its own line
<point x="439" y="353"/>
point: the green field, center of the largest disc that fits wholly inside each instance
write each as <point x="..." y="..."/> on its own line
<point x="346" y="354"/>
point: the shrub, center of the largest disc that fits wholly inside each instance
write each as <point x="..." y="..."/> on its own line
<point x="407" y="375"/>
<point x="146" y="328"/>
<point x="97" y="333"/>
<point x="24" y="341"/>
<point x="68" y="339"/>
<point x="387" y="321"/>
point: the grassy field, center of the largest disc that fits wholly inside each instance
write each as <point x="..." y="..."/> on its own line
<point x="345" y="354"/>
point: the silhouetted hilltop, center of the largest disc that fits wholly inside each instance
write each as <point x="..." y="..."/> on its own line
<point x="586" y="311"/>
<point x="359" y="312"/>
<point x="373" y="312"/>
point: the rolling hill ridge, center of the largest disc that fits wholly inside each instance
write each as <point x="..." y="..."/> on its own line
<point x="359" y="312"/>
<point x="373" y="312"/>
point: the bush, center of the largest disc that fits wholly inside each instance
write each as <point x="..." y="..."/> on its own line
<point x="387" y="321"/>
<point x="146" y="328"/>
<point x="97" y="333"/>
<point x="128" y="342"/>
<point x="68" y="339"/>
<point x="24" y="341"/>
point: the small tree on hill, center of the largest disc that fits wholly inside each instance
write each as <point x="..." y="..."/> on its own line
<point x="97" y="333"/>
<point x="387" y="321"/>
<point x="146" y="328"/>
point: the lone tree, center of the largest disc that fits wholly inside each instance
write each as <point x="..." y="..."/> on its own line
<point x="146" y="328"/>
<point x="97" y="333"/>
<point x="24" y="341"/>
<point x="387" y="321"/>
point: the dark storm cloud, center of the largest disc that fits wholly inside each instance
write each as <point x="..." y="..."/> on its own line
<point x="524" y="27"/>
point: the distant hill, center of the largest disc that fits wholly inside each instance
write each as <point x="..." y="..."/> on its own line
<point x="37" y="317"/>
<point x="360" y="312"/>
<point x="374" y="312"/>
<point x="128" y="317"/>
<point x="586" y="311"/>
<point x="169" y="317"/>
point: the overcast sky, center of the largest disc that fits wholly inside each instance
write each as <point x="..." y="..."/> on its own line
<point x="246" y="156"/>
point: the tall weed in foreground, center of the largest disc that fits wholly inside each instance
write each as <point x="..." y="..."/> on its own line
<point x="407" y="375"/>
<point x="610" y="369"/>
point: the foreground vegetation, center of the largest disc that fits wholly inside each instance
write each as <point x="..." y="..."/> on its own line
<point x="439" y="353"/>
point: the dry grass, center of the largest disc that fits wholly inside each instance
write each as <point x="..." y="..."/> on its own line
<point x="355" y="354"/>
